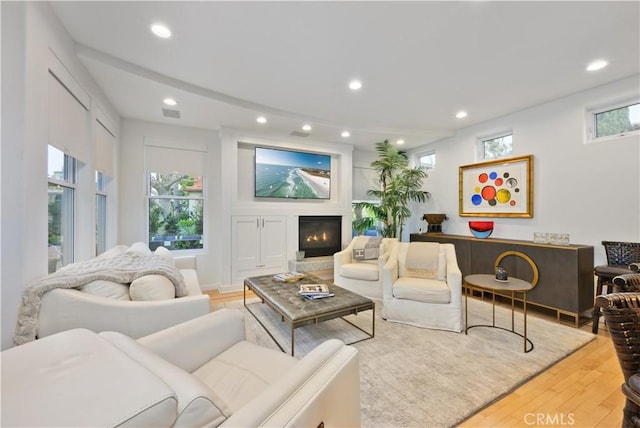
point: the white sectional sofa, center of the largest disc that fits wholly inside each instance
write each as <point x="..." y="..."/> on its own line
<point x="200" y="373"/>
<point x="143" y="307"/>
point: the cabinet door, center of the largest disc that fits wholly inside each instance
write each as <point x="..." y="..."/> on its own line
<point x="273" y="241"/>
<point x="245" y="245"/>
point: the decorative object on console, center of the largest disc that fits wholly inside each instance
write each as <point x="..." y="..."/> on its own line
<point x="481" y="229"/>
<point x="434" y="221"/>
<point x="498" y="188"/>
<point x="290" y="174"/>
<point x="541" y="237"/>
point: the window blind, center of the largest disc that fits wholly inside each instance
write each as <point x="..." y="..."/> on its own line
<point x="166" y="160"/>
<point x="67" y="121"/>
<point x="103" y="149"/>
<point x="364" y="179"/>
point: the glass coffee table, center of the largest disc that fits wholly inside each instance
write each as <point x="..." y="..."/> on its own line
<point x="486" y="282"/>
<point x="283" y="298"/>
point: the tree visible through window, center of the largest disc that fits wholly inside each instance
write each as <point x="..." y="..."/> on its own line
<point x="62" y="182"/>
<point x="617" y="121"/>
<point x="175" y="211"/>
<point x="497" y="147"/>
<point x="101" y="213"/>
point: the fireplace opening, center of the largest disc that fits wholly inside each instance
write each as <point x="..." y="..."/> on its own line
<point x="319" y="235"/>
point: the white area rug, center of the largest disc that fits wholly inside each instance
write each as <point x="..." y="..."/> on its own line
<point x="413" y="377"/>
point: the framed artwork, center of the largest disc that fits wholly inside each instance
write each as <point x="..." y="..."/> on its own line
<point x="497" y="188"/>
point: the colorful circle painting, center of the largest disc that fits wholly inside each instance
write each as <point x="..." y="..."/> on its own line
<point x="495" y="189"/>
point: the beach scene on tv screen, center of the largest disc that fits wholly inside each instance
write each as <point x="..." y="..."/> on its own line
<point x="289" y="174"/>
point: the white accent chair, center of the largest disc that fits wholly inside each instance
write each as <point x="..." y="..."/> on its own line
<point x="363" y="277"/>
<point x="422" y="286"/>
<point x="201" y="373"/>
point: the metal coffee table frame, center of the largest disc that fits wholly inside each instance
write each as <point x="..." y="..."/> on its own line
<point x="488" y="283"/>
<point x="276" y="295"/>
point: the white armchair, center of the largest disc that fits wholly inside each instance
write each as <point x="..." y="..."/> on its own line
<point x="362" y="276"/>
<point x="201" y="373"/>
<point x="422" y="286"/>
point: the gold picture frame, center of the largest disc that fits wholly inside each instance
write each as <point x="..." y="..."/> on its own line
<point x="497" y="188"/>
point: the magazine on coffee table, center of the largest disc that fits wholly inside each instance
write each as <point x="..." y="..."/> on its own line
<point x="288" y="276"/>
<point x="315" y="291"/>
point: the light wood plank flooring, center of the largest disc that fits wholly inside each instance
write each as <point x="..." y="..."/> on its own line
<point x="583" y="390"/>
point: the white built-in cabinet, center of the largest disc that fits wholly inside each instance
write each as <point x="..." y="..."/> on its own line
<point x="258" y="246"/>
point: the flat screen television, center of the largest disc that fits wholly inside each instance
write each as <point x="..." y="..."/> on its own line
<point x="292" y="174"/>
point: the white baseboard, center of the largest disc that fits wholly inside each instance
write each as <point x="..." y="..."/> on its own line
<point x="230" y="288"/>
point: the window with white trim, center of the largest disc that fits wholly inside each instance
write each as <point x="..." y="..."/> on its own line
<point x="496" y="146"/>
<point x="612" y="121"/>
<point x="176" y="214"/>
<point x="61" y="210"/>
<point x="427" y="160"/>
<point x="176" y="197"/>
<point x="101" y="213"/>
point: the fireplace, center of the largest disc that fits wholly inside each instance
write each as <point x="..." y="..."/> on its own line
<point x="319" y="235"/>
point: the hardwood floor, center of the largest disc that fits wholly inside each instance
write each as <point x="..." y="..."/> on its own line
<point x="582" y="390"/>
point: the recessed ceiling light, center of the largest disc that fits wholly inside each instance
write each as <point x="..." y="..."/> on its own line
<point x="346" y="134"/>
<point x="261" y="119"/>
<point x="461" y="114"/>
<point x="306" y="127"/>
<point x="354" y="85"/>
<point x="161" y="31"/>
<point x="597" y="65"/>
<point x="169" y="101"/>
<point x="400" y="142"/>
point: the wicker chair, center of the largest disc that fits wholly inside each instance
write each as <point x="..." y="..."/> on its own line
<point x="619" y="256"/>
<point x="622" y="314"/>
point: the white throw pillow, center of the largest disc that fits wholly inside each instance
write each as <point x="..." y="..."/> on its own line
<point x="140" y="248"/>
<point x="165" y="254"/>
<point x="439" y="273"/>
<point x="152" y="287"/>
<point x="109" y="289"/>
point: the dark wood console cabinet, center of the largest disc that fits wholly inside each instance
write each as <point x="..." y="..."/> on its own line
<point x="565" y="284"/>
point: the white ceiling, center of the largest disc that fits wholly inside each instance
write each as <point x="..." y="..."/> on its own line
<point x="420" y="62"/>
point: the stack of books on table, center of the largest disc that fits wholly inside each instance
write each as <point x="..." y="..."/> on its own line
<point x="288" y="276"/>
<point x="315" y="291"/>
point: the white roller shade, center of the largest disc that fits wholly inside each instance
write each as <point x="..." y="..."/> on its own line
<point x="165" y="160"/>
<point x="67" y="121"/>
<point x="103" y="149"/>
<point x="364" y="179"/>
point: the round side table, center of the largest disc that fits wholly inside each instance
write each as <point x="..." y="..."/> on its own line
<point x="489" y="283"/>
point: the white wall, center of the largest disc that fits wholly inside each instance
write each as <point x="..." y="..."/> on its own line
<point x="591" y="191"/>
<point x="30" y="31"/>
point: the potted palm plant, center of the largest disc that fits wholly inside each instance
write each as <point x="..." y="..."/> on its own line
<point x="399" y="186"/>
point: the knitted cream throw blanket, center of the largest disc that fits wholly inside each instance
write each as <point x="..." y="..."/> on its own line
<point x="123" y="268"/>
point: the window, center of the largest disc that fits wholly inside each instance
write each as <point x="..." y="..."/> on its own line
<point x="363" y="219"/>
<point x="101" y="213"/>
<point x="427" y="161"/>
<point x="62" y="183"/>
<point x="615" y="121"/>
<point x="175" y="211"/>
<point x="496" y="147"/>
